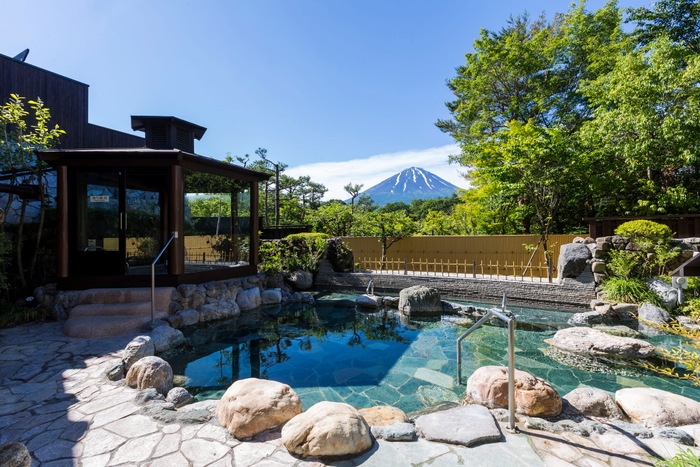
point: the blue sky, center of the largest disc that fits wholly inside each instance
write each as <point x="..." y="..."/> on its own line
<point x="344" y="91"/>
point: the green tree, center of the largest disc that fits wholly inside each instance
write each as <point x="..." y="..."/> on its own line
<point x="678" y="20"/>
<point x="354" y="192"/>
<point x="17" y="146"/>
<point x="646" y="130"/>
<point x="519" y="93"/>
<point x="335" y="219"/>
<point x="389" y="227"/>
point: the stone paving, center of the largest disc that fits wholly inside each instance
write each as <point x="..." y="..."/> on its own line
<point x="55" y="399"/>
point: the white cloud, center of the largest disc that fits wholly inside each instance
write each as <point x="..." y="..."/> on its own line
<point x="375" y="169"/>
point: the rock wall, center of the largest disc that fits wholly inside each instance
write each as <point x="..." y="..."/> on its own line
<point x="571" y="294"/>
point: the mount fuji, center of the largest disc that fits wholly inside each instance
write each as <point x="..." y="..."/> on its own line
<point x="409" y="184"/>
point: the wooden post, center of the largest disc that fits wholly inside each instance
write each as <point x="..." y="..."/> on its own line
<point x="405" y="268"/>
<point x="62" y="233"/>
<point x="176" y="255"/>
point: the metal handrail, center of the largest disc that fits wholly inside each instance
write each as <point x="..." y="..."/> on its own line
<point x="511" y="356"/>
<point x="370" y="284"/>
<point x="153" y="276"/>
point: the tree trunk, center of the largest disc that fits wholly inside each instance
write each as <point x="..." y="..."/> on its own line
<point x="18" y="245"/>
<point x="40" y="228"/>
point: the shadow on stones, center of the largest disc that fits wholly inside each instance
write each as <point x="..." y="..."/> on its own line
<point x="45" y="378"/>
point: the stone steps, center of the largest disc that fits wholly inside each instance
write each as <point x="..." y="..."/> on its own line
<point x="109" y="312"/>
<point x="90" y="327"/>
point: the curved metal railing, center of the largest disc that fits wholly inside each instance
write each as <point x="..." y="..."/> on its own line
<point x="153" y="276"/>
<point x="511" y="356"/>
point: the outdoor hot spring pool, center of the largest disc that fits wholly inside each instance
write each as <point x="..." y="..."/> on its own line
<point x="331" y="351"/>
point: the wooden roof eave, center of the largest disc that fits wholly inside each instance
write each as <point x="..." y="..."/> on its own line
<point x="144" y="157"/>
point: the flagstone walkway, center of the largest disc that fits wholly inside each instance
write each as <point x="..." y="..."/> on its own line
<point x="55" y="399"/>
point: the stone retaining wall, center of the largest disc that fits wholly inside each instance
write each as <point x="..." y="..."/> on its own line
<point x="571" y="294"/>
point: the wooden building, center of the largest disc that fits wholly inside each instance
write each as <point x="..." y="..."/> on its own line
<point x="117" y="209"/>
<point x="67" y="100"/>
<point x="121" y="197"/>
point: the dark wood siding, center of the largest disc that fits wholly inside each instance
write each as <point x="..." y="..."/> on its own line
<point x="67" y="100"/>
<point x="100" y="137"/>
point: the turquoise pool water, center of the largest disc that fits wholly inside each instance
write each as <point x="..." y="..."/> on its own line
<point x="331" y="351"/>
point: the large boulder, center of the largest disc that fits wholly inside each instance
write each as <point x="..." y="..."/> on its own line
<point x="534" y="396"/>
<point x="592" y="402"/>
<point x="599" y="344"/>
<point x="271" y="296"/>
<point x="420" y="300"/>
<point x="15" y="455"/>
<point x="654" y="407"/>
<point x="164" y="338"/>
<point x="572" y="260"/>
<point x="139" y="347"/>
<point x="183" y="318"/>
<point x="219" y="310"/>
<point x="663" y="289"/>
<point x="249" y="299"/>
<point x="383" y="415"/>
<point x="301" y="280"/>
<point x="327" y="429"/>
<point x="653" y="314"/>
<point x="368" y="301"/>
<point x="251" y="406"/>
<point x="151" y="372"/>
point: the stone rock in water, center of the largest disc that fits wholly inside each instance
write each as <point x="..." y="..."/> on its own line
<point x="151" y="372"/>
<point x="572" y="260"/>
<point x="251" y="406"/>
<point x="327" y="429"/>
<point x="165" y="338"/>
<point x="597" y="343"/>
<point x="654" y="407"/>
<point x="139" y="347"/>
<point x="15" y="455"/>
<point x="301" y="280"/>
<point x="534" y="396"/>
<point x="249" y="299"/>
<point x="668" y="294"/>
<point x="653" y="313"/>
<point x="592" y="402"/>
<point x="368" y="301"/>
<point x="586" y="318"/>
<point x="220" y="310"/>
<point x="271" y="297"/>
<point x="179" y="397"/>
<point x="468" y="426"/>
<point x="383" y="415"/>
<point x="420" y="301"/>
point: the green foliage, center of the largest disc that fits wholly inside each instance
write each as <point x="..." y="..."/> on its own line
<point x="684" y="360"/>
<point x="679" y="20"/>
<point x="646" y="123"/>
<point x="686" y="458"/>
<point x="644" y="231"/>
<point x="294" y="252"/>
<point x="629" y="290"/>
<point x="14" y="315"/>
<point x="335" y="219"/>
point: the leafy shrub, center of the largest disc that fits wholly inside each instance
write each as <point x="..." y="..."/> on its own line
<point x="294" y="252"/>
<point x="629" y="290"/>
<point x="13" y="315"/>
<point x="643" y="231"/>
<point x="685" y="458"/>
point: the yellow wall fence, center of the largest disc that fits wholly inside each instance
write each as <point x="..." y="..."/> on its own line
<point x="481" y="255"/>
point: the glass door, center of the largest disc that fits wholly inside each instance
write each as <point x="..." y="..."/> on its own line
<point x="99" y="234"/>
<point x="144" y="228"/>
